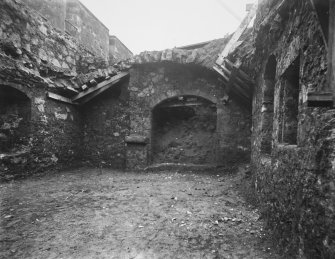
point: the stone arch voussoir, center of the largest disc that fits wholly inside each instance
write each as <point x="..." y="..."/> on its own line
<point x="156" y="101"/>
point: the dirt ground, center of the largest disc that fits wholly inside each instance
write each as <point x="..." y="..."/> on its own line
<point x="94" y="213"/>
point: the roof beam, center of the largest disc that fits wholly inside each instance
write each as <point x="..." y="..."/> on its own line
<point x="237" y="34"/>
<point x="100" y="86"/>
<point x="72" y="90"/>
<point x="190" y="104"/>
<point x="59" y="98"/>
<point x="234" y="86"/>
<point x="272" y="13"/>
<point x="217" y="69"/>
<point x="240" y="73"/>
<point x="322" y="99"/>
<point x="97" y="92"/>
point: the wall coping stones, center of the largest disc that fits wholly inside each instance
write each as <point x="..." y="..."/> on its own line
<point x="204" y="56"/>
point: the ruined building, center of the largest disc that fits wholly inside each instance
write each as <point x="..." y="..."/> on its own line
<point x="71" y="94"/>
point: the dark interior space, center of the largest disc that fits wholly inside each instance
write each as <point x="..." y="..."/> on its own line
<point x="15" y="112"/>
<point x="289" y="104"/>
<point x="183" y="131"/>
<point x="267" y="105"/>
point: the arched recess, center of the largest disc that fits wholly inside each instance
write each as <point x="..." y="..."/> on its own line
<point x="184" y="92"/>
<point x="184" y="130"/>
<point x="15" y="117"/>
<point x="267" y="104"/>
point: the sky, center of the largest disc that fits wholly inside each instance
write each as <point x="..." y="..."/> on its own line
<point x="160" y="24"/>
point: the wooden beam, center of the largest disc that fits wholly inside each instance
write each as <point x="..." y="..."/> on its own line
<point x="217" y="69"/>
<point x="97" y="92"/>
<point x="245" y="76"/>
<point x="237" y="34"/>
<point x="232" y="81"/>
<point x="190" y="104"/>
<point x="322" y="99"/>
<point x="331" y="48"/>
<point x="241" y="91"/>
<point x="272" y="14"/>
<point x="245" y="85"/>
<point x="240" y="84"/>
<point x="226" y="70"/>
<point x="233" y="86"/>
<point x="113" y="80"/>
<point x="240" y="73"/>
<point x="72" y="90"/>
<point x="59" y="98"/>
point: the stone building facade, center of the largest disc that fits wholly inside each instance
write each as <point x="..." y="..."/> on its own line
<point x="117" y="50"/>
<point x="39" y="62"/>
<point x="73" y="18"/>
<point x="292" y="142"/>
<point x="62" y="104"/>
<point x="155" y="83"/>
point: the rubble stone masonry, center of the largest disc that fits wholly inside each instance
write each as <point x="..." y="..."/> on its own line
<point x="152" y="83"/>
<point x="292" y="146"/>
<point x="35" y="58"/>
<point x="296" y="184"/>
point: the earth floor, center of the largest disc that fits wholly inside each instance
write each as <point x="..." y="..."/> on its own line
<point x="100" y="213"/>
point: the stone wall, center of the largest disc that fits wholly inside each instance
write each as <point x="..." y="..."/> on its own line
<point x="152" y="83"/>
<point x="106" y="124"/>
<point x="84" y="26"/>
<point x="53" y="10"/>
<point x="15" y="118"/>
<point x="296" y="185"/>
<point x="34" y="59"/>
<point x="117" y="50"/>
<point x="52" y="134"/>
<point x="32" y="48"/>
<point x="73" y="18"/>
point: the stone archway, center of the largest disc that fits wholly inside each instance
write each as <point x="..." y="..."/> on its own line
<point x="267" y="105"/>
<point x="184" y="131"/>
<point x="155" y="84"/>
<point x="15" y="116"/>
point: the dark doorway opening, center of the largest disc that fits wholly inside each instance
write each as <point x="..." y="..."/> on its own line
<point x="289" y="104"/>
<point x="15" y="116"/>
<point x="184" y="131"/>
<point x="267" y="105"/>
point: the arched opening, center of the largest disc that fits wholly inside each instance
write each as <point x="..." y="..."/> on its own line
<point x="15" y="113"/>
<point x="267" y="105"/>
<point x="183" y="131"/>
<point x="289" y="104"/>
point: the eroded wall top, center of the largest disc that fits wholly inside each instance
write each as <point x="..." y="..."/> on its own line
<point x="73" y="18"/>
